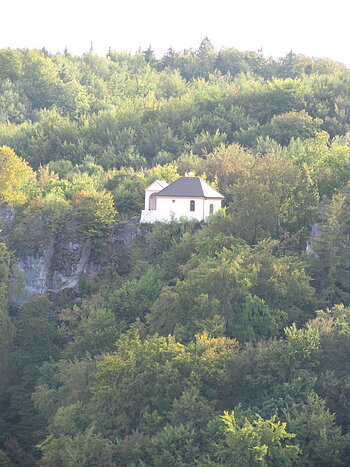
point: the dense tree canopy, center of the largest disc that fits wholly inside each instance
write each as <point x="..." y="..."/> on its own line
<point x="217" y="344"/>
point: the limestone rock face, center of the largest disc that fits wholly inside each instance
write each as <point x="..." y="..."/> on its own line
<point x="47" y="261"/>
<point x="7" y="216"/>
<point x="315" y="234"/>
<point x="51" y="267"/>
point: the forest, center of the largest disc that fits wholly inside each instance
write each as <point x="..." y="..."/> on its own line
<point x="207" y="344"/>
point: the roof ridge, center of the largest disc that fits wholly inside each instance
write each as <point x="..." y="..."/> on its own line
<point x="196" y="188"/>
<point x="204" y="181"/>
<point x="160" y="182"/>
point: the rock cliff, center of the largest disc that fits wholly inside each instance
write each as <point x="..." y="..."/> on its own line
<point x="46" y="261"/>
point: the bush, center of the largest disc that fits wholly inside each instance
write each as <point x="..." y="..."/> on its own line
<point x="96" y="215"/>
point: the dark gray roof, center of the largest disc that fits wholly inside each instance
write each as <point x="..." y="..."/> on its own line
<point x="190" y="187"/>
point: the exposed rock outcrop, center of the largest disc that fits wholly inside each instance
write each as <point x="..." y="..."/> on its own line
<point x="47" y="261"/>
<point x="7" y="216"/>
<point x="316" y="233"/>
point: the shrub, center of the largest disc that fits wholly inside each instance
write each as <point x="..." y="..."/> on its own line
<point x="96" y="215"/>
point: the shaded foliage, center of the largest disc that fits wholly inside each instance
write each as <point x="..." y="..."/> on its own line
<point x="200" y="344"/>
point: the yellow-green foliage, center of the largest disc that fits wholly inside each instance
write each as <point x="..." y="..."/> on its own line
<point x="257" y="443"/>
<point x="14" y="174"/>
<point x="96" y="214"/>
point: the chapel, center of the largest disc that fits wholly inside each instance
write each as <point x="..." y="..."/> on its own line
<point x="188" y="197"/>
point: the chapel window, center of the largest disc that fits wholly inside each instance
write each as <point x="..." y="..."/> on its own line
<point x="192" y="206"/>
<point x="211" y="209"/>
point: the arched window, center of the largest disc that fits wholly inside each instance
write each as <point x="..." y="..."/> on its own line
<point x="192" y="206"/>
<point x="211" y="209"/>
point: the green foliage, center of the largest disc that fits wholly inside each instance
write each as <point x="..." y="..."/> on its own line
<point x="95" y="330"/>
<point x="96" y="214"/>
<point x="252" y="289"/>
<point x="273" y="137"/>
<point x="173" y="446"/>
<point x="255" y="442"/>
<point x="87" y="449"/>
<point x="283" y="127"/>
<point x="41" y="83"/>
<point x="35" y="341"/>
<point x="191" y="409"/>
<point x="135" y="298"/>
<point x="332" y="385"/>
<point x="164" y="236"/>
<point x="36" y="332"/>
<point x="328" y="164"/>
<point x="124" y="106"/>
<point x="62" y="167"/>
<point x="6" y="326"/>
<point x="56" y="207"/>
<point x="331" y="250"/>
<point x="65" y="383"/>
<point x="10" y="64"/>
<point x="288" y="367"/>
<point x="137" y="384"/>
<point x="275" y="199"/>
<point x="5" y="460"/>
<point x="321" y="441"/>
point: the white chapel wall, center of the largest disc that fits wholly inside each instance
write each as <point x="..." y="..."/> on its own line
<point x="167" y="210"/>
<point x="180" y="208"/>
<point x="216" y="205"/>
